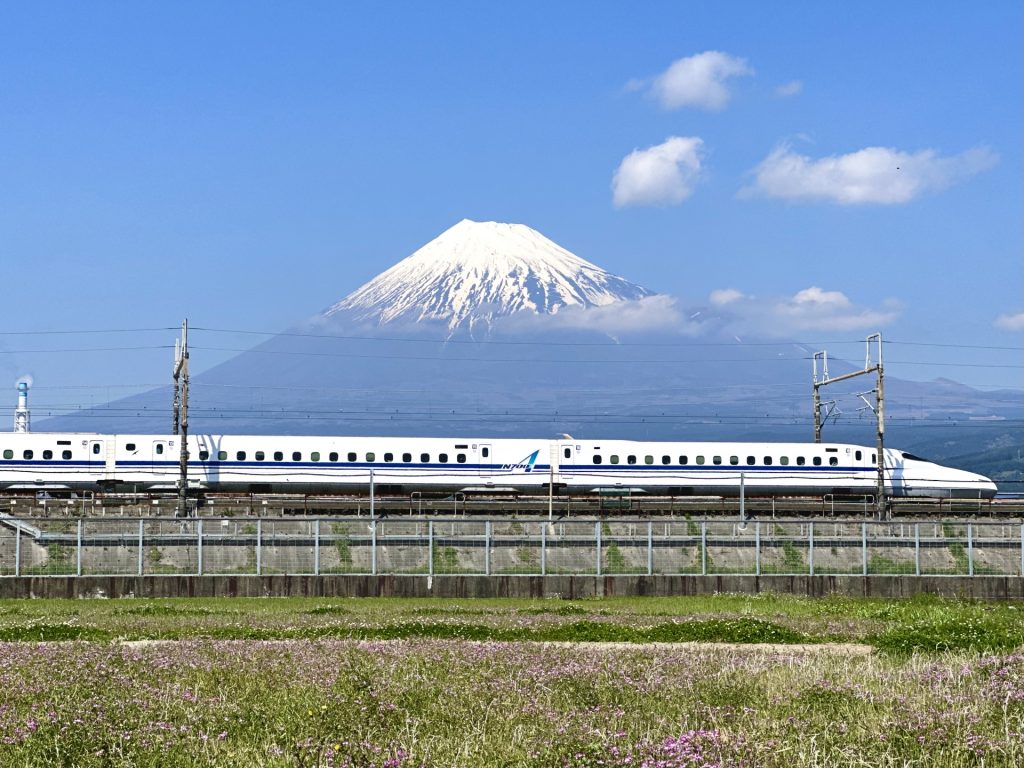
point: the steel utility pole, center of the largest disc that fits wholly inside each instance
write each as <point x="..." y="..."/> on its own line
<point x="180" y="374"/>
<point x="879" y="407"/>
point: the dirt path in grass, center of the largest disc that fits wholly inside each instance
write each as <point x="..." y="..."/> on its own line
<point x="847" y="649"/>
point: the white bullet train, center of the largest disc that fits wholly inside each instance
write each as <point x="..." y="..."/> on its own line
<point x="270" y="464"/>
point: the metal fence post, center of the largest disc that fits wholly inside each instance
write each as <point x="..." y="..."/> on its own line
<point x="597" y="533"/>
<point x="970" y="549"/>
<point x="430" y="547"/>
<point x="141" y="549"/>
<point x="703" y="547"/>
<point x="17" y="551"/>
<point x="199" y="547"/>
<point x="864" y="547"/>
<point x="259" y="546"/>
<point x="757" y="548"/>
<point x="917" y="549"/>
<point x="650" y="547"/>
<point x="316" y="547"/>
<point x="78" y="553"/>
<point x="810" y="547"/>
<point x="487" y="548"/>
<point x="373" y="546"/>
<point x="544" y="549"/>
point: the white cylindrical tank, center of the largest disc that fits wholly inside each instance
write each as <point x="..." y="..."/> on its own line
<point x="21" y="414"/>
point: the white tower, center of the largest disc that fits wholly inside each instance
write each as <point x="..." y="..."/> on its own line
<point x="21" y="415"/>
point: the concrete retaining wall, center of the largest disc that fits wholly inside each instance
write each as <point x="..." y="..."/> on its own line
<point x="565" y="587"/>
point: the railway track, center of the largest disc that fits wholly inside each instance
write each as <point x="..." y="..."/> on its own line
<point x="587" y="506"/>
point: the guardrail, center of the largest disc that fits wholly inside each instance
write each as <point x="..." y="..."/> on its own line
<point x="534" y="547"/>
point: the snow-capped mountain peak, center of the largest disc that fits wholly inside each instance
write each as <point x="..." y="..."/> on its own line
<point x="478" y="271"/>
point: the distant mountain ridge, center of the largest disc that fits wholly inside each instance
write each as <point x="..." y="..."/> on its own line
<point x="476" y="272"/>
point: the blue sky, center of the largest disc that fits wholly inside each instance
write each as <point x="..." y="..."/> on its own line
<point x="248" y="164"/>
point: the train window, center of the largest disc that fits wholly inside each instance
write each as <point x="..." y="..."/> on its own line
<point x="614" y="458"/>
<point x="371" y="456"/>
<point x="278" y="456"/>
<point x="485" y="451"/>
<point x="631" y="459"/>
<point x="833" y="461"/>
<point x="65" y="455"/>
<point x="204" y="455"/>
<point x="159" y="449"/>
<point x="406" y="457"/>
<point x="443" y="458"/>
<point x="222" y="455"/>
<point x="784" y="460"/>
<point x="597" y="458"/>
<point x="8" y="453"/>
<point x="332" y="456"/>
<point x="240" y="456"/>
<point x="27" y="454"/>
<point x="389" y="457"/>
<point x="352" y="456"/>
<point x="717" y="460"/>
<point x="700" y="460"/>
<point x="682" y="460"/>
<point x="767" y="461"/>
<point x="874" y="458"/>
<point x="734" y="460"/>
<point x="47" y="454"/>
<point x="648" y="459"/>
<point x="461" y="458"/>
<point x="95" y="447"/>
<point x="857" y="455"/>
<point x="260" y="456"/>
<point x="751" y="461"/>
<point x="314" y="456"/>
<point x="567" y="453"/>
<point x="425" y="458"/>
<point x="800" y="461"/>
<point x="817" y="461"/>
<point x="666" y="459"/>
<point x="296" y="456"/>
<point x="130" y="447"/>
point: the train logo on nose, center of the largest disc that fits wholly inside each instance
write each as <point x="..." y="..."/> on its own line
<point x="526" y="463"/>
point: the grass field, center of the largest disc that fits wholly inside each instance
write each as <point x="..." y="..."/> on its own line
<point x="615" y="682"/>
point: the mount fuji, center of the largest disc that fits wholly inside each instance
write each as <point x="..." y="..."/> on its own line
<point x="476" y="272"/>
<point x="492" y="329"/>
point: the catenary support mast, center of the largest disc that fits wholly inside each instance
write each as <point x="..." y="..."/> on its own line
<point x="180" y="416"/>
<point x="870" y="366"/>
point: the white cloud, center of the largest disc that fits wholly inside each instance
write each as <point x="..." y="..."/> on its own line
<point x="815" y="297"/>
<point x="872" y="175"/>
<point x="1010" y="322"/>
<point x="810" y="309"/>
<point x="792" y="88"/>
<point x="652" y="313"/>
<point x="725" y="296"/>
<point x="664" y="174"/>
<point x="698" y="81"/>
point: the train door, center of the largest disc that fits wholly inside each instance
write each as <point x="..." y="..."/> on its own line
<point x="567" y="459"/>
<point x="486" y="459"/>
<point x="97" y="456"/>
<point x="160" y="456"/>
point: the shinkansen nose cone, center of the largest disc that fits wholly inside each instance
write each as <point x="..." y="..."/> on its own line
<point x="921" y="477"/>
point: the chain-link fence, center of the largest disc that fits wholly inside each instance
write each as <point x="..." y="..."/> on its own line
<point x="312" y="546"/>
